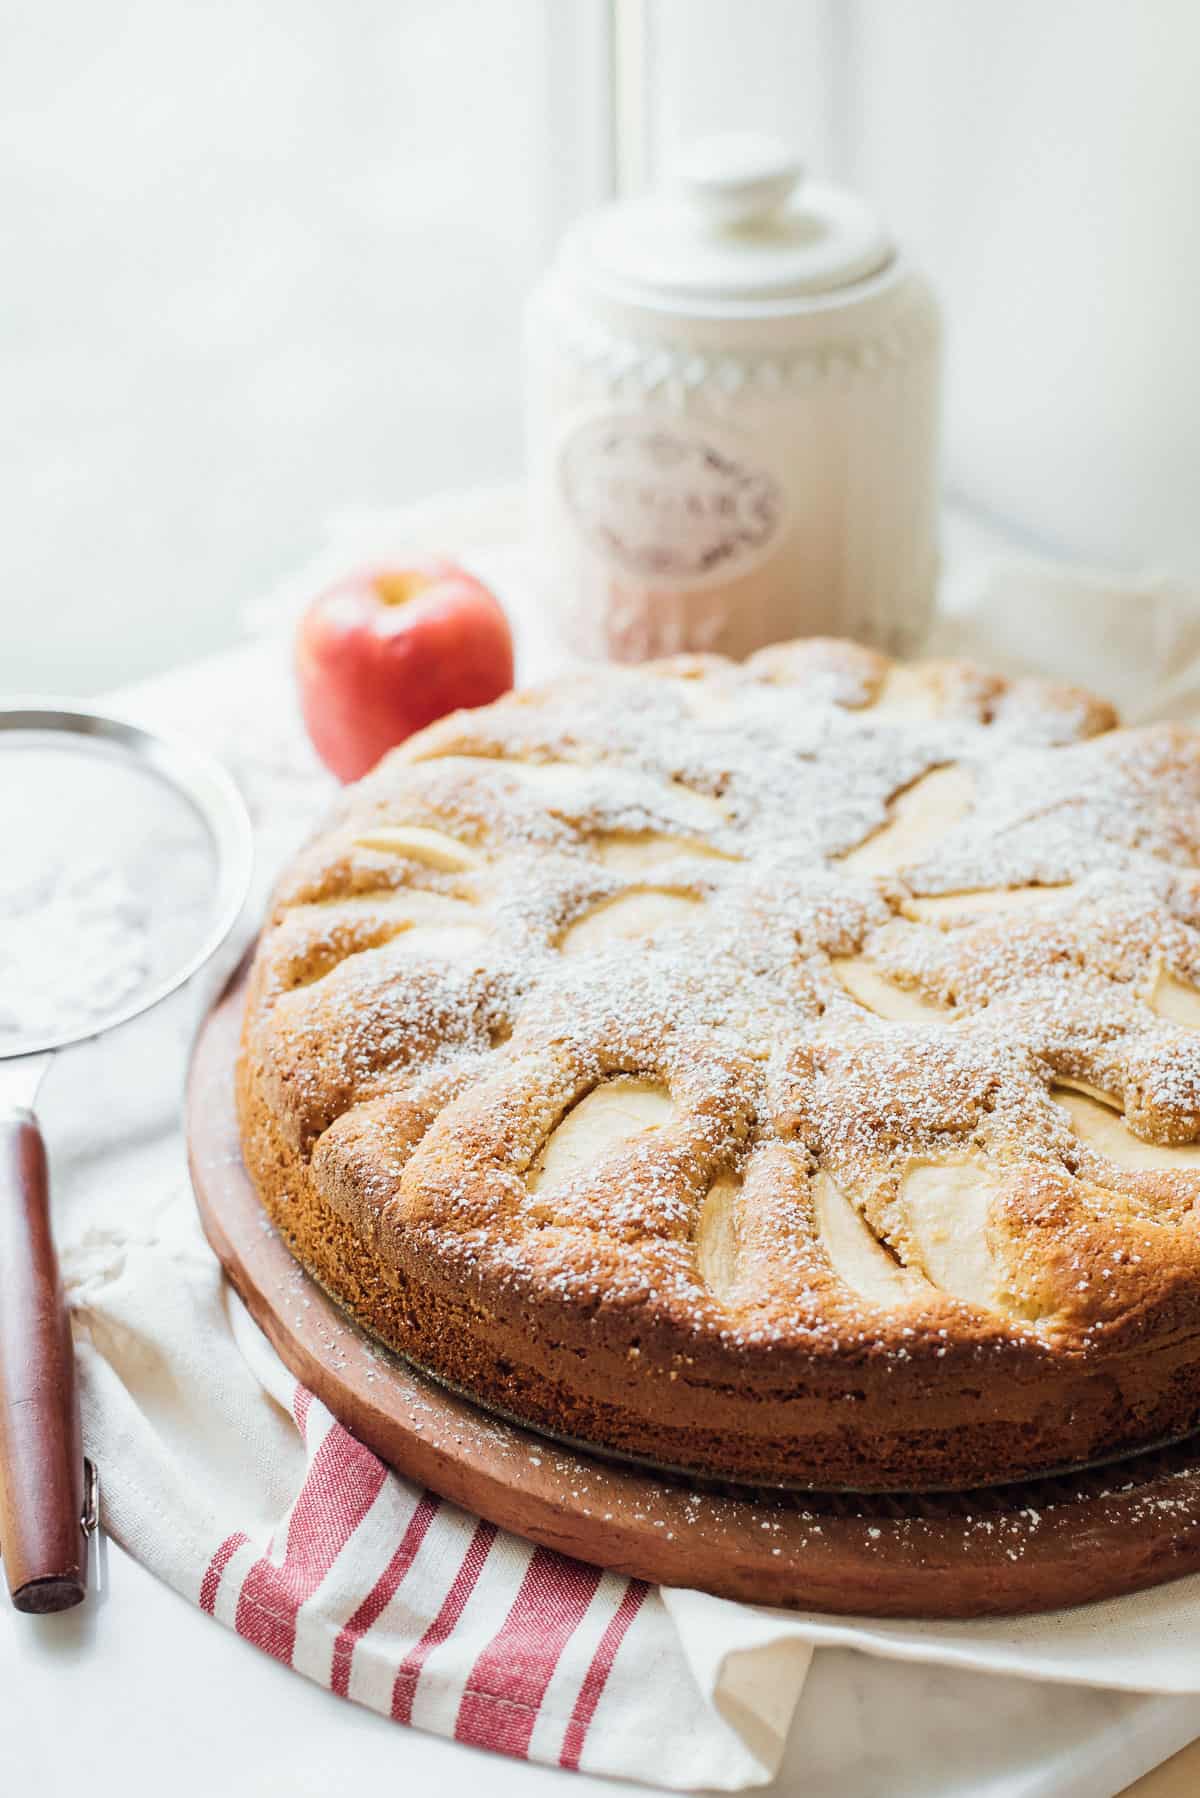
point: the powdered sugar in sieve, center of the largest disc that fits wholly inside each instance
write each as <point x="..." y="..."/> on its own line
<point x="111" y="875"/>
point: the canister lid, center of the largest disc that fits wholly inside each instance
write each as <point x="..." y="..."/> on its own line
<point x="735" y="224"/>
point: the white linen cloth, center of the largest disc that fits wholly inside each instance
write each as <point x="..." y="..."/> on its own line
<point x="248" y="1498"/>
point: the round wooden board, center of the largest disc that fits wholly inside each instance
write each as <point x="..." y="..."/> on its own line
<point x="1019" y="1548"/>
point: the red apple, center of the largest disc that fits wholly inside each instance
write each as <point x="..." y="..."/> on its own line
<point x="388" y="650"/>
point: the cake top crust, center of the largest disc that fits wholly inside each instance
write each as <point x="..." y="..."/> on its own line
<point x="815" y="1005"/>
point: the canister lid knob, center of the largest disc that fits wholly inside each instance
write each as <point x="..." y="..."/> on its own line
<point x="737" y="179"/>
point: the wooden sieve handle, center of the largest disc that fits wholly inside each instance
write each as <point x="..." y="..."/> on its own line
<point x="42" y="1536"/>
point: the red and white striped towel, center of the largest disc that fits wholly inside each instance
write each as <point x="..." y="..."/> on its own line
<point x="243" y="1492"/>
<point x="393" y="1598"/>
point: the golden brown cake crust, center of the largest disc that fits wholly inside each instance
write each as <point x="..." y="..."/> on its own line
<point x="786" y="1071"/>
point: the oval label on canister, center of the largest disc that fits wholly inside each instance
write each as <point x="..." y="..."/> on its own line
<point x="668" y="503"/>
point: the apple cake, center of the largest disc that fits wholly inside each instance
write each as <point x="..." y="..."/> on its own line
<point x="787" y="1071"/>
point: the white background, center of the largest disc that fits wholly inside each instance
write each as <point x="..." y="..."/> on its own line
<point x="267" y="257"/>
<point x="264" y="257"/>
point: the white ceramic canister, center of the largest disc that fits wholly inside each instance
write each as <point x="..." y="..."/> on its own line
<point x="733" y="392"/>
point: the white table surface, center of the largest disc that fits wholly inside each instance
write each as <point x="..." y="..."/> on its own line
<point x="139" y="1691"/>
